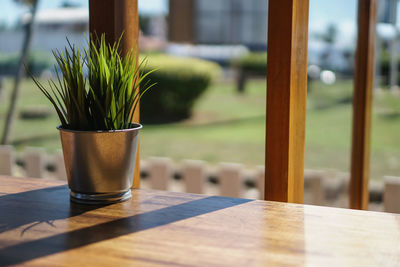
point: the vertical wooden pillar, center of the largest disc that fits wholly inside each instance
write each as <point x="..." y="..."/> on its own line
<point x="114" y="17"/>
<point x="362" y="104"/>
<point x="181" y="21"/>
<point x="286" y="100"/>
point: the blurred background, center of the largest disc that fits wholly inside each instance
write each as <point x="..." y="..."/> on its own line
<point x="209" y="103"/>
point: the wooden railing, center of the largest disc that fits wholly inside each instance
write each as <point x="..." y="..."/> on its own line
<point x="191" y="176"/>
<point x="287" y="90"/>
<point x="286" y="100"/>
<point x="195" y="176"/>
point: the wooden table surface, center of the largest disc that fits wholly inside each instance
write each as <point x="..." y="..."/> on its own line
<point x="40" y="227"/>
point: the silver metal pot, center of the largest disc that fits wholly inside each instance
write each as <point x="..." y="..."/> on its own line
<point x="100" y="164"/>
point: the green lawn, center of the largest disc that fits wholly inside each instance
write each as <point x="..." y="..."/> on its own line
<point x="230" y="127"/>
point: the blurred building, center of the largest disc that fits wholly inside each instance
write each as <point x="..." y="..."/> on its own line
<point x="51" y="28"/>
<point x="387" y="11"/>
<point x="218" y="22"/>
<point x="69" y="19"/>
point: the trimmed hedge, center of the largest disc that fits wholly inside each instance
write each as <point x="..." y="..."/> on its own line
<point x="255" y="62"/>
<point x="385" y="68"/>
<point x="180" y="81"/>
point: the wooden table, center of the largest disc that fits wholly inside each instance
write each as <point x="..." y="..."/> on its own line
<point x="40" y="227"/>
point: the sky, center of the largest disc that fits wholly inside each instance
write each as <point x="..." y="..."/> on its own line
<point x="10" y="11"/>
<point x="343" y="13"/>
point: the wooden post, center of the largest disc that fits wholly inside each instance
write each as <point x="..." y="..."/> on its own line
<point x="60" y="172"/>
<point x="7" y="159"/>
<point x="286" y="100"/>
<point x="260" y="174"/>
<point x="160" y="172"/>
<point x="34" y="162"/>
<point x="230" y="184"/>
<point x="391" y="196"/>
<point x="314" y="184"/>
<point x="114" y="17"/>
<point x="181" y="21"/>
<point x="362" y="104"/>
<point x="194" y="176"/>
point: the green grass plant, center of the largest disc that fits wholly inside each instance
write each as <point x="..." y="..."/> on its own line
<point x="180" y="82"/>
<point x="254" y="62"/>
<point x="107" y="97"/>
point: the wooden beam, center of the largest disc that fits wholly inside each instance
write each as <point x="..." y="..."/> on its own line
<point x="362" y="104"/>
<point x="114" y="17"/>
<point x="286" y="100"/>
<point x="102" y="19"/>
<point x="181" y="21"/>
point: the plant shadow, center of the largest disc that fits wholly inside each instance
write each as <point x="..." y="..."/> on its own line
<point x="38" y="206"/>
<point x="51" y="204"/>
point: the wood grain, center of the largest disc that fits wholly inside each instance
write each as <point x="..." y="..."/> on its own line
<point x="286" y="100"/>
<point x="362" y="104"/>
<point x="115" y="18"/>
<point x="40" y="227"/>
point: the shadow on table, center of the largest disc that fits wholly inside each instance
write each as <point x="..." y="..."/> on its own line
<point x="38" y="206"/>
<point x="61" y="242"/>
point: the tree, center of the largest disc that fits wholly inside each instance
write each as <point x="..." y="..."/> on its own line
<point x="10" y="118"/>
<point x="329" y="37"/>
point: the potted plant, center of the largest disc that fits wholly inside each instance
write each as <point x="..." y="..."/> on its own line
<point x="95" y="99"/>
